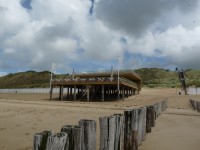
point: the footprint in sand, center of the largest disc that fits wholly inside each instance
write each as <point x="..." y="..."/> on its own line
<point x="27" y="134"/>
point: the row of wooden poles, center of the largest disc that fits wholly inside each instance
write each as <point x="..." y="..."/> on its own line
<point x="117" y="132"/>
<point x="195" y="105"/>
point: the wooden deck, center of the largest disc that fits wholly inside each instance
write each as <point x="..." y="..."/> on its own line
<point x="97" y="86"/>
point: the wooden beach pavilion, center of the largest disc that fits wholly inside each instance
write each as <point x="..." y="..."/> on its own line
<point x="98" y="86"/>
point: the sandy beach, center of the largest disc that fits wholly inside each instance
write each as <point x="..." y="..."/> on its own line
<point x="22" y="115"/>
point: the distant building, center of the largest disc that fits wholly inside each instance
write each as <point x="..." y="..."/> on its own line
<point x="101" y="85"/>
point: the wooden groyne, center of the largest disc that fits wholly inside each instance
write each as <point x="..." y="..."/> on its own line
<point x="195" y="105"/>
<point x="117" y="132"/>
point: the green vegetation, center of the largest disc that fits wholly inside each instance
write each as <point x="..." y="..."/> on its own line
<point x="151" y="77"/>
<point x="154" y="77"/>
<point x="29" y="79"/>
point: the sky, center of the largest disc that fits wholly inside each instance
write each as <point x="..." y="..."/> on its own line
<point x="90" y="35"/>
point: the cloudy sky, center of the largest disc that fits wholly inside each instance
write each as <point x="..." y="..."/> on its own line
<point x="92" y="34"/>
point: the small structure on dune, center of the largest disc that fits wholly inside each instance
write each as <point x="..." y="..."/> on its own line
<point x="100" y="86"/>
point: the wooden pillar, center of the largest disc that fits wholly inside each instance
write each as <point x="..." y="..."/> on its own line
<point x="150" y="118"/>
<point x="131" y="125"/>
<point x="40" y="140"/>
<point x="61" y="93"/>
<point x="102" y="93"/>
<point x="70" y="95"/>
<point x="88" y="134"/>
<point x="47" y="140"/>
<point x="74" y="92"/>
<point x="111" y="132"/>
<point x="67" y="92"/>
<point x="51" y="92"/>
<point x="123" y="92"/>
<point x="88" y="93"/>
<point x="74" y="135"/>
<point x="57" y="141"/>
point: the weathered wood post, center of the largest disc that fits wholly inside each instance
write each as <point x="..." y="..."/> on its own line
<point x="144" y="112"/>
<point x="40" y="140"/>
<point x="111" y="132"/>
<point x="74" y="135"/>
<point x="198" y="106"/>
<point x="88" y="134"/>
<point x="74" y="92"/>
<point x="57" y="141"/>
<point x="150" y="118"/>
<point x="140" y="125"/>
<point x="51" y="92"/>
<point x="134" y="140"/>
<point x="131" y="129"/>
<point x="156" y="110"/>
<point x="102" y="93"/>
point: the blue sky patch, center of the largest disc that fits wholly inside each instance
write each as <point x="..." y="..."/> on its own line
<point x="26" y="4"/>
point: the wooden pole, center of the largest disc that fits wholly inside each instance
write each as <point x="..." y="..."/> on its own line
<point x="61" y="95"/>
<point x="57" y="141"/>
<point x="74" y="134"/>
<point x="51" y="92"/>
<point x="130" y="124"/>
<point x="88" y="134"/>
<point x="74" y="92"/>
<point x="143" y="135"/>
<point x="40" y="140"/>
<point x="88" y="93"/>
<point x="123" y="92"/>
<point x="102" y="93"/>
<point x="60" y="92"/>
<point x="150" y="118"/>
<point x="140" y="126"/>
<point x="134" y="140"/>
<point x="111" y="132"/>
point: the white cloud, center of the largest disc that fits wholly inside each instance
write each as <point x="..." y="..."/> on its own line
<point x="64" y="32"/>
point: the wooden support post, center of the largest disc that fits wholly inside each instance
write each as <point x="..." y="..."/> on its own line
<point x="70" y="95"/>
<point x="134" y="140"/>
<point x="150" y="118"/>
<point x="88" y="93"/>
<point x="57" y="141"/>
<point x="123" y="92"/>
<point x="74" y="134"/>
<point x="51" y="92"/>
<point x="40" y="140"/>
<point x="61" y="92"/>
<point x="111" y="132"/>
<point x="67" y="92"/>
<point x="131" y="124"/>
<point x="140" y="125"/>
<point x="144" y="112"/>
<point x="88" y="134"/>
<point x="102" y="93"/>
<point x="74" y="92"/>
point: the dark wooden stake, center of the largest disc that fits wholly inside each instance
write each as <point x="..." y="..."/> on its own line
<point x="40" y="140"/>
<point x="88" y="134"/>
<point x="74" y="134"/>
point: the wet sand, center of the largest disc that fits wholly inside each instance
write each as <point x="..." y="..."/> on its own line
<point x="22" y="115"/>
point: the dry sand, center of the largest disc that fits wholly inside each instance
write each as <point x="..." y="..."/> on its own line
<point x="22" y="115"/>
